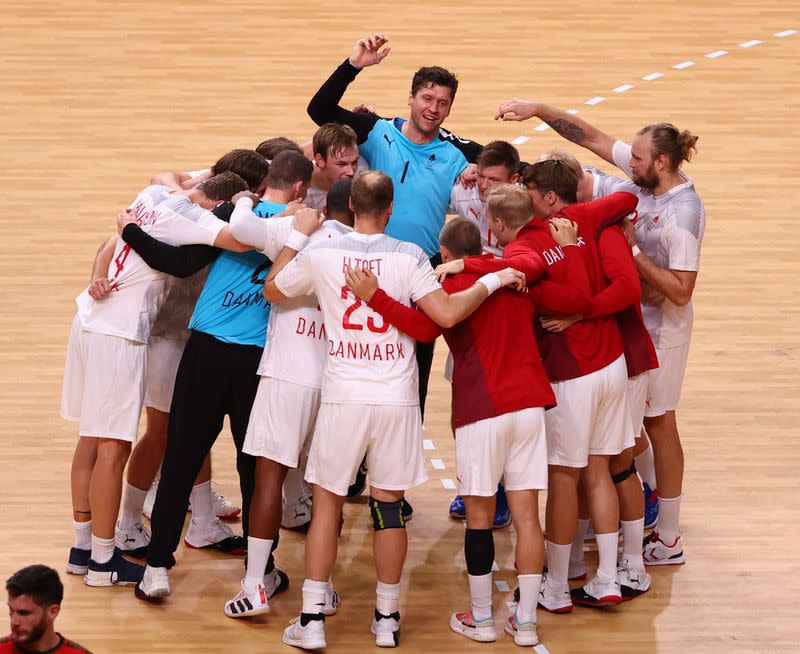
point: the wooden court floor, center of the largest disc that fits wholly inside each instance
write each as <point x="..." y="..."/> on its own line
<point x="98" y="96"/>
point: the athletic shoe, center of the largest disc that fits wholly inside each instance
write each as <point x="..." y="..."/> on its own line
<point x="481" y="630"/>
<point x="78" y="561"/>
<point x="597" y="593"/>
<point x="386" y="629"/>
<point x="247" y="604"/>
<point x="406" y="510"/>
<point x="524" y="633"/>
<point x="650" y="506"/>
<point x="224" y="509"/>
<point x="632" y="581"/>
<point x="555" y="600"/>
<point x="154" y="583"/>
<point x="134" y="541"/>
<point x="115" y="572"/>
<point x="457" y="508"/>
<point x="306" y="636"/>
<point x="502" y="514"/>
<point x="297" y="516"/>
<point x="217" y="535"/>
<point x="275" y="582"/>
<point x="577" y="569"/>
<point x="331" y="602"/>
<point x="357" y="487"/>
<point x="656" y="552"/>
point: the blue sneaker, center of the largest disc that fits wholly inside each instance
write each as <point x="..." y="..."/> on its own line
<point x="650" y="506"/>
<point x="78" y="561"/>
<point x="502" y="514"/>
<point x="457" y="508"/>
<point x="116" y="572"/>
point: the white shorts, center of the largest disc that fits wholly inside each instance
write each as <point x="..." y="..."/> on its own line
<point x="103" y="386"/>
<point x="282" y="419"/>
<point x="163" y="358"/>
<point x="513" y="444"/>
<point x="664" y="383"/>
<point x="389" y="435"/>
<point x="592" y="417"/>
<point x="637" y="400"/>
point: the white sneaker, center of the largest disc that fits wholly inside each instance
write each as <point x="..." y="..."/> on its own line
<point x="555" y="600"/>
<point x="482" y="631"/>
<point x="524" y="633"/>
<point x="224" y="509"/>
<point x="216" y="535"/>
<point x="386" y="629"/>
<point x="154" y="583"/>
<point x="275" y="582"/>
<point x="597" y="593"/>
<point x="296" y="515"/>
<point x="577" y="568"/>
<point x="247" y="604"/>
<point x="331" y="601"/>
<point x="150" y="499"/>
<point x="632" y="581"/>
<point x="133" y="540"/>
<point x="656" y="552"/>
<point x="310" y="636"/>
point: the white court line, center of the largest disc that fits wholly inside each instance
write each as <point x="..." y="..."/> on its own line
<point x="437" y="464"/>
<point x="542" y="127"/>
<point x="596" y="100"/>
<point x="428" y="445"/>
<point x="572" y="111"/>
<point x="495" y="567"/>
<point x="652" y="76"/>
<point x="684" y="64"/>
<point x="716" y="53"/>
<point x="520" y="140"/>
<point x="502" y="586"/>
<point x="540" y="649"/>
<point x="785" y="33"/>
<point x="749" y="44"/>
<point x="622" y="88"/>
<point x="449" y="484"/>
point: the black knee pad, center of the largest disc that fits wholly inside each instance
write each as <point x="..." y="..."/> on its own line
<point x="479" y="551"/>
<point x="622" y="476"/>
<point x="386" y="515"/>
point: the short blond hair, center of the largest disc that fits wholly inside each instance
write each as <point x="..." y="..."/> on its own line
<point x="511" y="204"/>
<point x="564" y="157"/>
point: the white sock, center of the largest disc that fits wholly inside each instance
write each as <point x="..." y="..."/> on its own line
<point x="607" y="555"/>
<point x="528" y="597"/>
<point x="669" y="513"/>
<point x="132" y="506"/>
<point x="632" y="535"/>
<point x="557" y="564"/>
<point x="83" y="534"/>
<point x="314" y="596"/>
<point x="102" y="549"/>
<point x="330" y="583"/>
<point x="576" y="554"/>
<point x="646" y="466"/>
<point x="258" y="550"/>
<point x="480" y="591"/>
<point x="387" y="598"/>
<point x="202" y="505"/>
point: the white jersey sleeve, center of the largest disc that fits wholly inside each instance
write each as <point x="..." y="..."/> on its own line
<point x="181" y="222"/>
<point x="296" y="278"/>
<point x="422" y="281"/>
<point x="266" y="236"/>
<point x="682" y="235"/>
<point x="621" y="154"/>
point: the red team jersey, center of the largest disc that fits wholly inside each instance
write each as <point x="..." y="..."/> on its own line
<point x="65" y="646"/>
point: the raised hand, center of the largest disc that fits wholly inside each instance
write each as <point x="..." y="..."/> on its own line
<point x="563" y="231"/>
<point x="517" y="109"/>
<point x="307" y="221"/>
<point x="468" y="176"/>
<point x="367" y="51"/>
<point x="362" y="283"/>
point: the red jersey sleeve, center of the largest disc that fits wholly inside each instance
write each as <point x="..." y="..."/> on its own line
<point x="623" y="288"/>
<point x="573" y="296"/>
<point x="409" y="321"/>
<point x="515" y="255"/>
<point x="599" y="214"/>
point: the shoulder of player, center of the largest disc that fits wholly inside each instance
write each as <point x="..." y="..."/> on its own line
<point x="71" y="646"/>
<point x="686" y="210"/>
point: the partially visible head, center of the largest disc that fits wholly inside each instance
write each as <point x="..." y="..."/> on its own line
<point x="337" y="203"/>
<point x="551" y="184"/>
<point x="34" y="600"/>
<point x="498" y="163"/>
<point x="248" y="164"/>
<point x="585" y="180"/>
<point x="659" y="150"/>
<point x="335" y="151"/>
<point x="433" y="90"/>
<point x="460" y="238"/>
<point x="290" y="172"/>
<point x="371" y="195"/>
<point x="217" y="189"/>
<point x="508" y="207"/>
<point x="270" y="148"/>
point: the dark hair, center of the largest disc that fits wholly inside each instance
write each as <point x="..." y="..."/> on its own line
<point x="552" y="175"/>
<point x="332" y="138"/>
<point x="248" y="164"/>
<point x="271" y="148"/>
<point x="434" y="76"/>
<point x="223" y="186"/>
<point x="461" y="237"/>
<point x="338" y="200"/>
<point x="499" y="153"/>
<point x="371" y="193"/>
<point x="287" y="168"/>
<point x="39" y="582"/>
<point x="677" y="146"/>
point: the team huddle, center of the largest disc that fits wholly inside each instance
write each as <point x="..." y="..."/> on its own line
<point x="299" y="290"/>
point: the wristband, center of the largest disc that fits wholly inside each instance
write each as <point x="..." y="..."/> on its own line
<point x="297" y="240"/>
<point x="491" y="282"/>
<point x="635" y="250"/>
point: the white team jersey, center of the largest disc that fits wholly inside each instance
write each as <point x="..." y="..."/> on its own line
<point x="316" y="197"/>
<point x="669" y="230"/>
<point x="466" y="202"/>
<point x="297" y="343"/>
<point x="369" y="361"/>
<point x="138" y="291"/>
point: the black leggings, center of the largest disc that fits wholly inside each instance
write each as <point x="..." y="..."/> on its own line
<point x="425" y="356"/>
<point x="214" y="379"/>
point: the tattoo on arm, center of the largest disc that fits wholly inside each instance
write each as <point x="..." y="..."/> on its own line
<point x="568" y="130"/>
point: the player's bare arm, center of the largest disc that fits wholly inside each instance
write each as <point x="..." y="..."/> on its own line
<point x="99" y="286"/>
<point x="306" y="222"/>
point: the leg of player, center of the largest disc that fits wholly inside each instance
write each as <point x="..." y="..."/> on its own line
<point x="646" y="467"/>
<point x="477" y="623"/>
<point x="83" y="462"/>
<point x="577" y="562"/>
